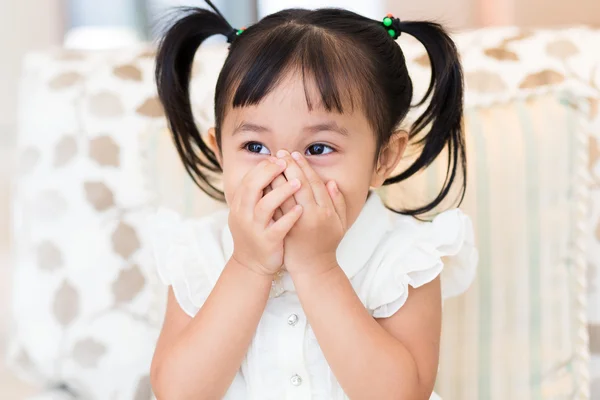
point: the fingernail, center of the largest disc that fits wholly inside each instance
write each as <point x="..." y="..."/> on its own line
<point x="281" y="163"/>
<point x="281" y="153"/>
<point x="296" y="155"/>
<point x="335" y="188"/>
<point x="295" y="183"/>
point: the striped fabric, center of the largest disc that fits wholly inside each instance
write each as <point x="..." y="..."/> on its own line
<point x="513" y="335"/>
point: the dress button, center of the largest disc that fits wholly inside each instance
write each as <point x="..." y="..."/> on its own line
<point x="292" y="319"/>
<point x="296" y="380"/>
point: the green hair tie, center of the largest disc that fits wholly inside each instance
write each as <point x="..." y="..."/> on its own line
<point x="392" y="26"/>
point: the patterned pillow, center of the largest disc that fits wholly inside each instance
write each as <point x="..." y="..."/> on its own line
<point x="82" y="300"/>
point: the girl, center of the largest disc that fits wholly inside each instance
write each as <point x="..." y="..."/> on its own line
<point x="307" y="286"/>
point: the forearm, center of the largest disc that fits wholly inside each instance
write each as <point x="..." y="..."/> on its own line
<point x="203" y="360"/>
<point x="379" y="366"/>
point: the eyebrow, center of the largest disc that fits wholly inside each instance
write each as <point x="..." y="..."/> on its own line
<point x="311" y="129"/>
<point x="246" y="126"/>
<point x="327" y="126"/>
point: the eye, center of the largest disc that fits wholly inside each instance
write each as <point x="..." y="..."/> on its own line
<point x="255" y="147"/>
<point x="318" y="149"/>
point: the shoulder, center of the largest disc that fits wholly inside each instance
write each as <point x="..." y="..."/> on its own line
<point x="187" y="253"/>
<point x="414" y="252"/>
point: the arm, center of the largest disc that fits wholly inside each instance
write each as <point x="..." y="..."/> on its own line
<point x="391" y="358"/>
<point x="197" y="358"/>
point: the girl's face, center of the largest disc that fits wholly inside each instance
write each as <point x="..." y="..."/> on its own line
<point x="339" y="147"/>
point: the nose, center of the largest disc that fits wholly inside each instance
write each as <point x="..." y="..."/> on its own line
<point x="281" y="153"/>
<point x="284" y="150"/>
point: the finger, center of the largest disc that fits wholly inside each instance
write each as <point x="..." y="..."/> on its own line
<point x="314" y="180"/>
<point x="304" y="196"/>
<point x="256" y="180"/>
<point x="289" y="203"/>
<point x="277" y="214"/>
<point x="267" y="205"/>
<point x="281" y="228"/>
<point x="339" y="203"/>
<point x="267" y="190"/>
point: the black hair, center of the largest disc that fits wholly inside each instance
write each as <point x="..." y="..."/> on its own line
<point x="333" y="47"/>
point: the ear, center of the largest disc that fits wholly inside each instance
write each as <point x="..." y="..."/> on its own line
<point x="389" y="157"/>
<point x="211" y="142"/>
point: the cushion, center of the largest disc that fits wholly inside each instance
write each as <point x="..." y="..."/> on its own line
<point x="82" y="300"/>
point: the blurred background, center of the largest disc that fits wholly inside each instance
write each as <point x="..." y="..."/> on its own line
<point x="27" y="25"/>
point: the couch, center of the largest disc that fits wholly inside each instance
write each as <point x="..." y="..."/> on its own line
<point x="94" y="159"/>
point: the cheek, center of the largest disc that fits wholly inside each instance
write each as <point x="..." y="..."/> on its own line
<point x="355" y="197"/>
<point x="232" y="179"/>
<point x="349" y="173"/>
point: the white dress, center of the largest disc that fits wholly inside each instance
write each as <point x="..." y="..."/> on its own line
<point x="382" y="254"/>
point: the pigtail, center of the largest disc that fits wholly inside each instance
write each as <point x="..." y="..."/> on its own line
<point x="173" y="71"/>
<point x="443" y="114"/>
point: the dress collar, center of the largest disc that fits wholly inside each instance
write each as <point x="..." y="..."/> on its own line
<point x="360" y="241"/>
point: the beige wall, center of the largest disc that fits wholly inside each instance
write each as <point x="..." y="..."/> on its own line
<point x="466" y="14"/>
<point x="24" y="25"/>
<point x="555" y="12"/>
<point x="454" y="14"/>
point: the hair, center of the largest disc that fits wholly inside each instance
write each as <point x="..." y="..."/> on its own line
<point x="331" y="47"/>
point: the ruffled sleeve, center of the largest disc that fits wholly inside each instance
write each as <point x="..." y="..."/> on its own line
<point x="415" y="253"/>
<point x="187" y="254"/>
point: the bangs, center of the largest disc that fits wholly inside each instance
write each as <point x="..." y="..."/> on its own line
<point x="346" y="62"/>
<point x="332" y="69"/>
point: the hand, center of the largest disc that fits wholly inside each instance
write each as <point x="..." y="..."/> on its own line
<point x="311" y="244"/>
<point x="257" y="239"/>
<point x="289" y="203"/>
